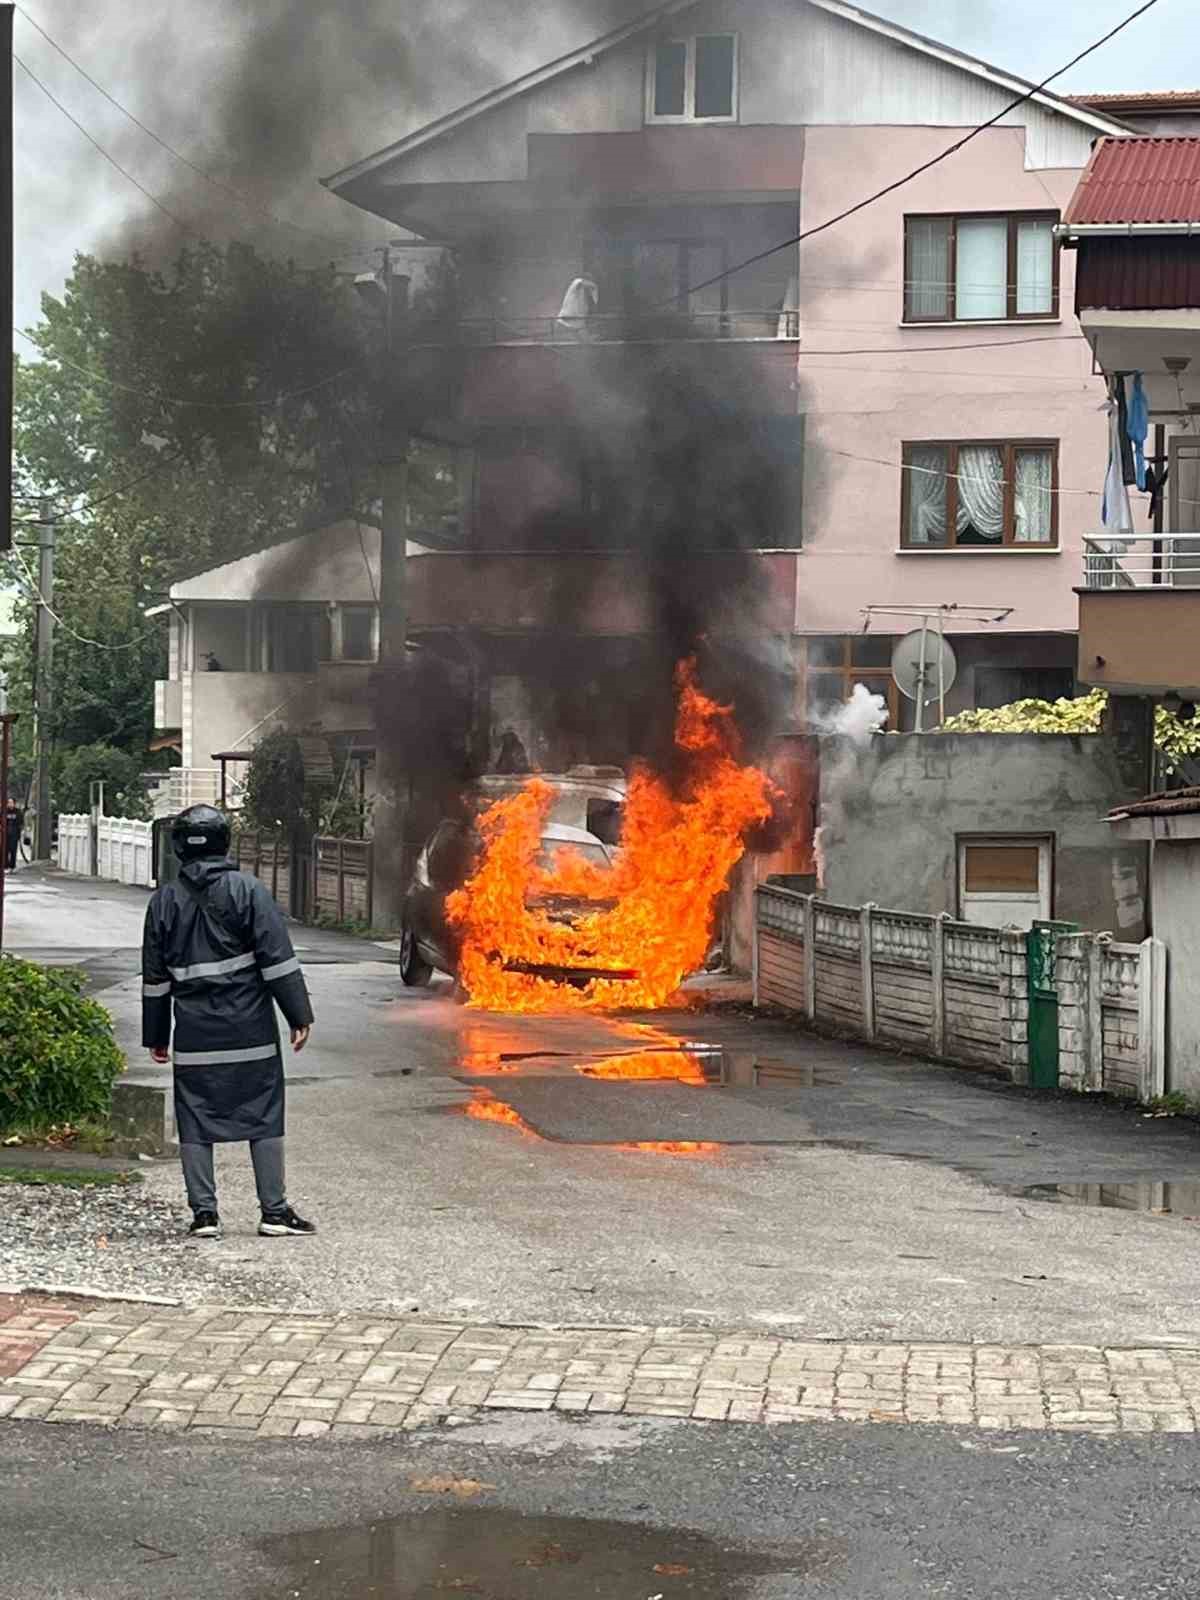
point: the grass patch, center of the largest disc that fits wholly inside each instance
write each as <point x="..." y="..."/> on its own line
<point x="68" y="1177"/>
<point x="89" y="1135"/>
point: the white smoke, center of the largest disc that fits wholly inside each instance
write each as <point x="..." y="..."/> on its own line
<point x="857" y="720"/>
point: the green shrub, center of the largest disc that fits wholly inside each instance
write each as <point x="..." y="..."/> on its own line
<point x="58" y="1058"/>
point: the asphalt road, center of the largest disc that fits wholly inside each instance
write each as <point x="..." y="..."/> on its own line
<point x="617" y="1509"/>
<point x="838" y="1191"/>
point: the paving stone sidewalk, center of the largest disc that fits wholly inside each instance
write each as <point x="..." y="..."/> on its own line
<point x="263" y="1374"/>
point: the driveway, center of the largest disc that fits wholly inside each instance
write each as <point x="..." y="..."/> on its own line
<point x="476" y="1167"/>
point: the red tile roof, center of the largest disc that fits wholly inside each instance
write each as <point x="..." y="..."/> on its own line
<point x="1139" y="181"/>
<point x="1169" y="803"/>
<point x="1151" y="99"/>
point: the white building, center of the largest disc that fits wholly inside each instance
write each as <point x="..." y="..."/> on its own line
<point x="284" y="637"/>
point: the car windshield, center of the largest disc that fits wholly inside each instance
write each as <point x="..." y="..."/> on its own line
<point x="553" y="849"/>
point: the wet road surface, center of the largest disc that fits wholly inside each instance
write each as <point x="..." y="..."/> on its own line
<point x="694" y="1167"/>
<point x="540" y="1507"/>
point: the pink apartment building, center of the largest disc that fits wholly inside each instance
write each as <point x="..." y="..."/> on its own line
<point x="915" y="373"/>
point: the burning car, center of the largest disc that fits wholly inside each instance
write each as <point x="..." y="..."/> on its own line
<point x="430" y="941"/>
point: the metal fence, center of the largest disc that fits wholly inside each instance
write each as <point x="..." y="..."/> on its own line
<point x="334" y="878"/>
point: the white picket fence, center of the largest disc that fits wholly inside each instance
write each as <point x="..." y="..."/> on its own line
<point x="960" y="992"/>
<point x="124" y="848"/>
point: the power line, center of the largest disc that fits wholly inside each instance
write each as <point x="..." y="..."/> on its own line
<point x="177" y="400"/>
<point x="98" y="500"/>
<point x="112" y="160"/>
<point x="224" y="188"/>
<point x="98" y="644"/>
<point x="916" y="172"/>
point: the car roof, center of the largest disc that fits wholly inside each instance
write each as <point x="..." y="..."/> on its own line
<point x="599" y="788"/>
<point x="564" y="833"/>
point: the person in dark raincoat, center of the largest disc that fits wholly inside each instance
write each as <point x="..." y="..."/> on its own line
<point x="216" y="947"/>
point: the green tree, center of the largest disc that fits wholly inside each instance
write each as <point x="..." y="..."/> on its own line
<point x="201" y="411"/>
<point x="119" y="771"/>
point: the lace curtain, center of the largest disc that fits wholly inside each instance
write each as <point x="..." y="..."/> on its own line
<point x="927" y="495"/>
<point x="979" y="517"/>
<point x="1033" y="497"/>
<point x="980" y="494"/>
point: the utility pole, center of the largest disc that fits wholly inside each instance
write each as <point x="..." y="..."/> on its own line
<point x="6" y="725"/>
<point x="6" y="269"/>
<point x="392" y="680"/>
<point x="43" y="687"/>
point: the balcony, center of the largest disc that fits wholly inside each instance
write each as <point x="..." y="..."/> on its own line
<point x="620" y="328"/>
<point x="1139" y="614"/>
<point x="571" y="382"/>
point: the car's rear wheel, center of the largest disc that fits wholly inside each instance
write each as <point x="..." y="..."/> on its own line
<point x="414" y="972"/>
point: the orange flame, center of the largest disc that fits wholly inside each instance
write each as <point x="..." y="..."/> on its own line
<point x="485" y="1109"/>
<point x="655" y="1065"/>
<point x="677" y="851"/>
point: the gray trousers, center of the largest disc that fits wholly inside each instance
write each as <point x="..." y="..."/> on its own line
<point x="267" y="1157"/>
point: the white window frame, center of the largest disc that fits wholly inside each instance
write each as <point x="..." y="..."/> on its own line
<point x="689" y="79"/>
<point x="339" y="632"/>
<point x="1017" y="899"/>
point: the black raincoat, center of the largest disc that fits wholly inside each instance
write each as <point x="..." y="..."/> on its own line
<point x="216" y="944"/>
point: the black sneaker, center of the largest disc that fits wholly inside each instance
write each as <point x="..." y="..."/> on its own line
<point x="275" y="1224"/>
<point x="205" y="1225"/>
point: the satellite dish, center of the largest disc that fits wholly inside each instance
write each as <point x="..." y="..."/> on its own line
<point x="924" y="666"/>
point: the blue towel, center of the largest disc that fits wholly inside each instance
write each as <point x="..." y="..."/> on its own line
<point x="1137" y="423"/>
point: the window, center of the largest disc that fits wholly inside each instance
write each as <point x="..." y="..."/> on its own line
<point x="985" y="268"/>
<point x="358" y="633"/>
<point x="294" y="638"/>
<point x="836" y="664"/>
<point x="636" y="276"/>
<point x="979" y="495"/>
<point x="1005" y="882"/>
<point x="693" y="80"/>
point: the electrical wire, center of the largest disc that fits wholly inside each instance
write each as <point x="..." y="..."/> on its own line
<point x="37" y="595"/>
<point x="224" y="188"/>
<point x="899" y="183"/>
<point x="97" y="500"/>
<point x="112" y="160"/>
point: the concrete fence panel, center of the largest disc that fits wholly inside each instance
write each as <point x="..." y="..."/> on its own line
<point x="960" y="992"/>
<point x="75" y="843"/>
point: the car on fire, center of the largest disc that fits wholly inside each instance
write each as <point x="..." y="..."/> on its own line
<point x="427" y="940"/>
<point x="591" y="796"/>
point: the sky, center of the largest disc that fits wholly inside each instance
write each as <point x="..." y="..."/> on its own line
<point x="271" y="95"/>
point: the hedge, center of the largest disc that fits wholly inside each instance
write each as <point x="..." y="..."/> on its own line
<point x="58" y="1057"/>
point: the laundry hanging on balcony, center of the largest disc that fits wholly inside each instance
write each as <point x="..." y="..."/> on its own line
<point x="579" y="306"/>
<point x="1137" y="425"/>
<point x="1116" y="514"/>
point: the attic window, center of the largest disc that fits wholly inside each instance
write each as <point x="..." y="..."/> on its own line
<point x="693" y="79"/>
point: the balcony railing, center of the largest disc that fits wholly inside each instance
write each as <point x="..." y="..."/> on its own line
<point x="1141" y="561"/>
<point x="623" y="328"/>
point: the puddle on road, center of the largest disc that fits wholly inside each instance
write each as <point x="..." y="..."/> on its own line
<point x="1169" y="1199"/>
<point x="672" y="1147"/>
<point x="485" y="1107"/>
<point x="694" y="1063"/>
<point x="502" y="1555"/>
